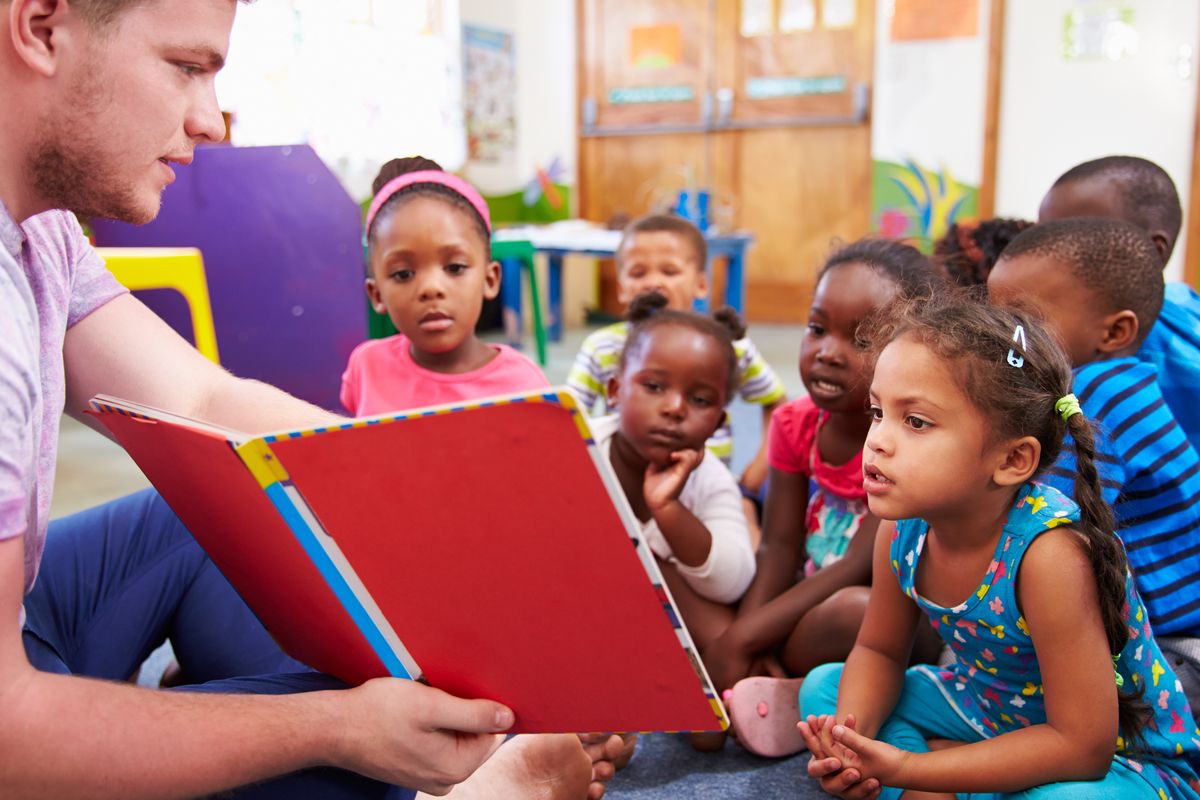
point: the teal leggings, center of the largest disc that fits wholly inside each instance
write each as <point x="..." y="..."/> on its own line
<point x="923" y="713"/>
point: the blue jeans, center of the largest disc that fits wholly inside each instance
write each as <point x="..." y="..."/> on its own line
<point x="119" y="579"/>
<point x="922" y="713"/>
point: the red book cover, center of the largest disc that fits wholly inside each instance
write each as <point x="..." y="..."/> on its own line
<point x="485" y="548"/>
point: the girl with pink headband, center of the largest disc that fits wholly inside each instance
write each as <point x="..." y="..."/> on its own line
<point x="429" y="268"/>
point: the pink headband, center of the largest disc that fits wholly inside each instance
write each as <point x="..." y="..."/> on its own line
<point x="453" y="182"/>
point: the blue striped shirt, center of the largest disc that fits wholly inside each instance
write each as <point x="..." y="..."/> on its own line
<point x="1173" y="345"/>
<point x="1151" y="476"/>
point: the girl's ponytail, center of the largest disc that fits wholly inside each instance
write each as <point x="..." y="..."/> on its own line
<point x="732" y="321"/>
<point x="1107" y="555"/>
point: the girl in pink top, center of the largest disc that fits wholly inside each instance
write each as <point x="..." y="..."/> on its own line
<point x="428" y="236"/>
<point x="814" y="564"/>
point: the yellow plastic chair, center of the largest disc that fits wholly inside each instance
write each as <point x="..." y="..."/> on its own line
<point x="178" y="268"/>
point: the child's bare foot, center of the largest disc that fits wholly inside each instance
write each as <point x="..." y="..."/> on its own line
<point x="533" y="767"/>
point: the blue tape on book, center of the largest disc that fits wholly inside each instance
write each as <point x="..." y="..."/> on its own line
<point x="336" y="582"/>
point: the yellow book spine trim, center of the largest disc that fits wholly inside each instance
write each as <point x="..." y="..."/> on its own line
<point x="262" y="462"/>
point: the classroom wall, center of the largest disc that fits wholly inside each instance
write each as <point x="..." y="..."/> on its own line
<point x="544" y="40"/>
<point x="1057" y="111"/>
<point x="927" y="120"/>
<point x="360" y="82"/>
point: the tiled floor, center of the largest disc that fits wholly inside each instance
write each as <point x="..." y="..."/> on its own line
<point x="92" y="470"/>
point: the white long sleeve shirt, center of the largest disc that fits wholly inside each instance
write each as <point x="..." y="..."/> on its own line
<point x="712" y="494"/>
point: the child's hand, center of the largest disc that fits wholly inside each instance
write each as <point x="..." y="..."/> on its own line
<point x="817" y="737"/>
<point x="832" y="763"/>
<point x="662" y="485"/>
<point x="873" y="759"/>
<point x="726" y="663"/>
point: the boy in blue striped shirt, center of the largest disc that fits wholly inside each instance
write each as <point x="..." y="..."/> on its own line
<point x="1141" y="192"/>
<point x="1099" y="284"/>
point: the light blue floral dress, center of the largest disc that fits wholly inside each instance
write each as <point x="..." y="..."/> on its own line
<point x="995" y="683"/>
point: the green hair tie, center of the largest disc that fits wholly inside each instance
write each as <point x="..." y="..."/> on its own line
<point x="1068" y="406"/>
<point x="1116" y="658"/>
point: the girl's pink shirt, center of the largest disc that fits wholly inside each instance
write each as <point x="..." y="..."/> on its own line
<point x="382" y="377"/>
<point x="793" y="448"/>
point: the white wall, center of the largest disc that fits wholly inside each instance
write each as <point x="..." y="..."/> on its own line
<point x="544" y="38"/>
<point x="1056" y="112"/>
<point x="361" y="82"/>
<point x="928" y="99"/>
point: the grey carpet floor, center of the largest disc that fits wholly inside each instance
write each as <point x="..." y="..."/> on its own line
<point x="665" y="767"/>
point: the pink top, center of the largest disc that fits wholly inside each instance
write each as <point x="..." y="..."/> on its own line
<point x="836" y="499"/>
<point x="793" y="448"/>
<point x="383" y="377"/>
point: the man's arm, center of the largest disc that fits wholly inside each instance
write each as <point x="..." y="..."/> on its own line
<point x="124" y="349"/>
<point x="72" y="737"/>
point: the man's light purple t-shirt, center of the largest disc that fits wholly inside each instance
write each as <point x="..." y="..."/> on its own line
<point x="50" y="279"/>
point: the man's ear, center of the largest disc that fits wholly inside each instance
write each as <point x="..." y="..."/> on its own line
<point x="1018" y="461"/>
<point x="38" y="29"/>
<point x="374" y="296"/>
<point x="1121" y="331"/>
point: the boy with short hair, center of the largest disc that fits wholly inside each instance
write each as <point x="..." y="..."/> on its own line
<point x="1099" y="284"/>
<point x="666" y="253"/>
<point x="1142" y="193"/>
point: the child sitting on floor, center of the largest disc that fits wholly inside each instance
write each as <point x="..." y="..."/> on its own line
<point x="430" y="268"/>
<point x="1099" y="284"/>
<point x="814" y="565"/>
<point x="1057" y="689"/>
<point x="671" y="384"/>
<point x="1142" y="193"/>
<point x="668" y="254"/>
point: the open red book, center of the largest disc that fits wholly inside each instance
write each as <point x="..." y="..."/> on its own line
<point x="485" y="548"/>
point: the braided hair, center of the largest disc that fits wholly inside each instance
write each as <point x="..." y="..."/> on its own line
<point x="977" y="338"/>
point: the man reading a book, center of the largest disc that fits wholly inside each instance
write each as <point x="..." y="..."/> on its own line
<point x="102" y="98"/>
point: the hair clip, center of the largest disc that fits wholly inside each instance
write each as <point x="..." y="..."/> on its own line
<point x="1017" y="359"/>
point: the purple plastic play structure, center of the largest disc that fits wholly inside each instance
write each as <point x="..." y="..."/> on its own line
<point x="282" y="248"/>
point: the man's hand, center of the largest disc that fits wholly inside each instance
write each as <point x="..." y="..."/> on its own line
<point x="406" y="733"/>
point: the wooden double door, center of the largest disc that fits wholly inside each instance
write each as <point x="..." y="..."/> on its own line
<point x="764" y="103"/>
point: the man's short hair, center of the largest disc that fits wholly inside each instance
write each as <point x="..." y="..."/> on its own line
<point x="1148" y="195"/>
<point x="669" y="223"/>
<point x="100" y="14"/>
<point x="1114" y="260"/>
